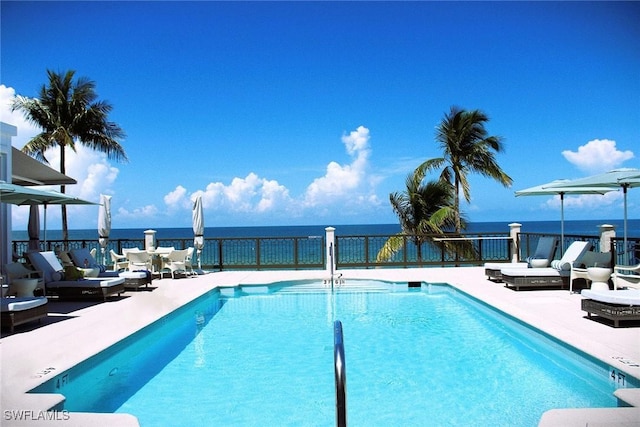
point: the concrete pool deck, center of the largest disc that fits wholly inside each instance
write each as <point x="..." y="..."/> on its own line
<point x="77" y="330"/>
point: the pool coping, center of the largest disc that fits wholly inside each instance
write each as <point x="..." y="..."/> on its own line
<point x="31" y="357"/>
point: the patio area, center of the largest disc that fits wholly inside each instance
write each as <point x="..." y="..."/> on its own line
<point x="76" y="330"/>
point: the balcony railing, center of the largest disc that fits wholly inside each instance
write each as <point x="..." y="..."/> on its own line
<point x="358" y="251"/>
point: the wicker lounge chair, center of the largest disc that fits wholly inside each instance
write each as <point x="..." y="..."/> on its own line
<point x="17" y="311"/>
<point x="132" y="279"/>
<point x="545" y="249"/>
<point x="55" y="285"/>
<point x="619" y="305"/>
<point x="557" y="275"/>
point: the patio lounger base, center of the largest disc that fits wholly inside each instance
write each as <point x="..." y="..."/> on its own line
<point x="136" y="279"/>
<point x="518" y="282"/>
<point x="13" y="318"/>
<point x="86" y="292"/>
<point x="615" y="312"/>
<point x="493" y="269"/>
<point x="493" y="274"/>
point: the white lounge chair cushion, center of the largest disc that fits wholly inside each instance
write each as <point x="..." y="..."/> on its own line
<point x="133" y="275"/>
<point x="90" y="282"/>
<point x="622" y="296"/>
<point x="501" y="265"/>
<point x="559" y="264"/>
<point x="533" y="272"/>
<point x="20" y="304"/>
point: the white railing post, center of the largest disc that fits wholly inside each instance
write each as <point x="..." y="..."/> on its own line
<point x="514" y="230"/>
<point x="330" y="248"/>
<point x="607" y="233"/>
<point x="149" y="240"/>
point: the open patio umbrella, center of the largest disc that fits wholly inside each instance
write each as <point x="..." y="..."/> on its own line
<point x="197" y="217"/>
<point x="33" y="228"/>
<point x="104" y="224"/>
<point x="557" y="188"/>
<point x="19" y="195"/>
<point x="613" y="180"/>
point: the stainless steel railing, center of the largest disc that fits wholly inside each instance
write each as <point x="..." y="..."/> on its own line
<point x="340" y="375"/>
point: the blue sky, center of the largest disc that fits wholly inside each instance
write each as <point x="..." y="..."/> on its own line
<point x="312" y="113"/>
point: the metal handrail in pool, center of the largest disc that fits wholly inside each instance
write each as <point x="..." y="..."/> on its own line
<point x="340" y="375"/>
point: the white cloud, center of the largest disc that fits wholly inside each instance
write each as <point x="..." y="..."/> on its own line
<point x="25" y="130"/>
<point x="249" y="194"/>
<point x="257" y="195"/>
<point x="598" y="155"/>
<point x="584" y="201"/>
<point x="177" y="198"/>
<point x="148" y="211"/>
<point x="343" y="181"/>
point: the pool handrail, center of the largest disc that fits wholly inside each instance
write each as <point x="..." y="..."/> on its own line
<point x="340" y="375"/>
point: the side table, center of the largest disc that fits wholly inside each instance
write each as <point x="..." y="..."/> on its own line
<point x="599" y="277"/>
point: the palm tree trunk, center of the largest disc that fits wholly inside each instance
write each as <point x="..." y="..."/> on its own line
<point x="456" y="206"/>
<point x="65" y="228"/>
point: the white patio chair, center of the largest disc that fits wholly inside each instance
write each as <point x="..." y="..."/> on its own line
<point x="120" y="261"/>
<point x="139" y="260"/>
<point x="175" y="261"/>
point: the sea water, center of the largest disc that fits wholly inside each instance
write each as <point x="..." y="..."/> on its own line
<point x="586" y="227"/>
<point x="426" y="357"/>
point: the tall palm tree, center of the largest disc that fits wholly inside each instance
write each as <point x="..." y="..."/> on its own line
<point x="467" y="148"/>
<point x="424" y="210"/>
<point x="68" y="114"/>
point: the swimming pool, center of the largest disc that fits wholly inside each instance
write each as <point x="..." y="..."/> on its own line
<point x="264" y="356"/>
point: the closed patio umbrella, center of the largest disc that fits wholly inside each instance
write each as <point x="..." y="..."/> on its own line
<point x="197" y="217"/>
<point x="33" y="228"/>
<point x="618" y="178"/>
<point x="557" y="188"/>
<point x="104" y="224"/>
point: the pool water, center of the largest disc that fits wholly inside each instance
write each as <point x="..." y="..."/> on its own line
<point x="430" y="356"/>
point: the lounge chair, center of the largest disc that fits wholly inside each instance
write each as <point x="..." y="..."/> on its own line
<point x="617" y="305"/>
<point x="17" y="311"/>
<point x="588" y="260"/>
<point x="542" y="256"/>
<point x="132" y="279"/>
<point x="56" y="285"/>
<point x="626" y="276"/>
<point x="82" y="258"/>
<point x="557" y="275"/>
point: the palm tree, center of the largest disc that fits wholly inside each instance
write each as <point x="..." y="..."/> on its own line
<point x="466" y="148"/>
<point x="68" y="113"/>
<point x="424" y="210"/>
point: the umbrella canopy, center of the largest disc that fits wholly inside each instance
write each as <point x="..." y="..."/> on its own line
<point x="26" y="170"/>
<point x="33" y="228"/>
<point x="613" y="180"/>
<point x="197" y="217"/>
<point x="104" y="224"/>
<point x="558" y="188"/>
<point x="19" y="195"/>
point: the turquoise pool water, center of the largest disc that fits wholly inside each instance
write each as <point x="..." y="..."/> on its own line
<point x="430" y="356"/>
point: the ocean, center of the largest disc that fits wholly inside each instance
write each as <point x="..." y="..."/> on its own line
<point x="586" y="227"/>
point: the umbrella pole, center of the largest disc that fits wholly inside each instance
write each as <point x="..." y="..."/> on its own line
<point x="45" y="226"/>
<point x="626" y="254"/>
<point x="561" y="224"/>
